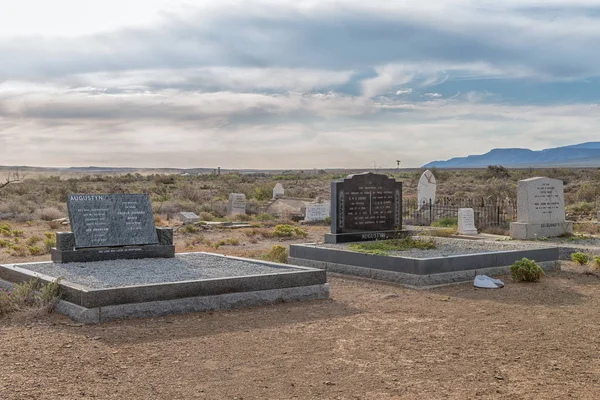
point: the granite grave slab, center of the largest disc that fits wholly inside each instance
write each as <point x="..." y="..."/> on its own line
<point x="365" y="206"/>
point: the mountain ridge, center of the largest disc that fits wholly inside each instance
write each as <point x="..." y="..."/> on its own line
<point x="576" y="155"/>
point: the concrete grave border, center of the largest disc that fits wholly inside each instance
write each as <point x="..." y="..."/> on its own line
<point x="89" y="305"/>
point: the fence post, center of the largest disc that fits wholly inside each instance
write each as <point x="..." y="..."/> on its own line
<point x="430" y="212"/>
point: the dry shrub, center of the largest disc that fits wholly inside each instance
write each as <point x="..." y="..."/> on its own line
<point x="50" y="213"/>
<point x="587" y="227"/>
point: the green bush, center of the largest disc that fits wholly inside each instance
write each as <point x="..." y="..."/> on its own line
<point x="327" y="220"/>
<point x="264" y="217"/>
<point x="526" y="270"/>
<point x="580" y="258"/>
<point x="278" y="254"/>
<point x="445" y="222"/>
<point x="34" y="250"/>
<point x="285" y="230"/>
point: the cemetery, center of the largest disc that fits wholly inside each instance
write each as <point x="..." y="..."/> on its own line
<point x="116" y="264"/>
<point x="171" y="281"/>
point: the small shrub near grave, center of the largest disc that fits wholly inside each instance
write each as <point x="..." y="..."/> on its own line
<point x="278" y="254"/>
<point x="445" y="222"/>
<point x="33" y="240"/>
<point x="285" y="230"/>
<point x="526" y="270"/>
<point x="34" y="250"/>
<point x="30" y="294"/>
<point x="580" y="258"/>
<point x="264" y="217"/>
<point x="327" y="220"/>
<point x="383" y="247"/>
<point x="190" y="229"/>
<point x="596" y="263"/>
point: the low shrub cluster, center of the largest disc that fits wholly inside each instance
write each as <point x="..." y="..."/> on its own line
<point x="526" y="270"/>
<point x="288" y="231"/>
<point x="278" y="254"/>
<point x="30" y="294"/>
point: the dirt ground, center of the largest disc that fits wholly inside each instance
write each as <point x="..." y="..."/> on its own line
<point x="371" y="340"/>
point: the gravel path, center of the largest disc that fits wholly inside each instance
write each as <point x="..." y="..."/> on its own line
<point x="184" y="267"/>
<point x="453" y="247"/>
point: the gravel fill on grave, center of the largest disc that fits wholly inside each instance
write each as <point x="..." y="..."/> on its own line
<point x="446" y="247"/>
<point x="184" y="267"/>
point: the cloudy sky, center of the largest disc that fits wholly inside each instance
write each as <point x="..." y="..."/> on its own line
<point x="293" y="84"/>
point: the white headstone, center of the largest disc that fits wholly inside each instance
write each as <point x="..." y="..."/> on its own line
<point x="189" y="217"/>
<point x="278" y="191"/>
<point x="236" y="204"/>
<point x="540" y="209"/>
<point x="317" y="212"/>
<point x="426" y="188"/>
<point x="466" y="221"/>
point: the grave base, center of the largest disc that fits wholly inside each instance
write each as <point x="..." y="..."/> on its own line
<point x="190" y="282"/>
<point x="112" y="253"/>
<point x="362" y="236"/>
<point x="528" y="231"/>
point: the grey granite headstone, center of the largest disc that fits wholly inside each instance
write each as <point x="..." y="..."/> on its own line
<point x="236" y="204"/>
<point x="466" y="221"/>
<point x="105" y="220"/>
<point x="540" y="209"/>
<point x="365" y="206"/>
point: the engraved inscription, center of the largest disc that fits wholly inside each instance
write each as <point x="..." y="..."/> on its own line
<point x="111" y="220"/>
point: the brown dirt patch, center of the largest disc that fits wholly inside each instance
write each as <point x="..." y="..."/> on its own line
<point x="372" y="340"/>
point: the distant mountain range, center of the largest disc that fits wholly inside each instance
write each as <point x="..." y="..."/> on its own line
<point x="578" y="155"/>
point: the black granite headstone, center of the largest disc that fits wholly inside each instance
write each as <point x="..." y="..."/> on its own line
<point x="105" y="220"/>
<point x="365" y="206"/>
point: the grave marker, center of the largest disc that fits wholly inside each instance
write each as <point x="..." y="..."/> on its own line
<point x="189" y="217"/>
<point x="236" y="204"/>
<point x="317" y="212"/>
<point x="540" y="209"/>
<point x="102" y="220"/>
<point x="426" y="189"/>
<point x="466" y="221"/>
<point x="109" y="227"/>
<point x="365" y="206"/>
<point x="278" y="191"/>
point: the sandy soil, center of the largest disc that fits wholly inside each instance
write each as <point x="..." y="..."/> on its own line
<point x="372" y="340"/>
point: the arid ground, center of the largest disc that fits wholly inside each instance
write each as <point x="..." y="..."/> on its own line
<point x="372" y="340"/>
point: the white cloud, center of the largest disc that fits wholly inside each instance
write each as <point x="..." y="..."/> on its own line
<point x="287" y="83"/>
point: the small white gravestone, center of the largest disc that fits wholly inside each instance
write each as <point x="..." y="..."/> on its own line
<point x="466" y="221"/>
<point x="540" y="209"/>
<point x="278" y="191"/>
<point x="426" y="189"/>
<point x="317" y="212"/>
<point x="236" y="204"/>
<point x="189" y="217"/>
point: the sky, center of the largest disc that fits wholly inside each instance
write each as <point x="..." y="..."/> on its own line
<point x="280" y="84"/>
